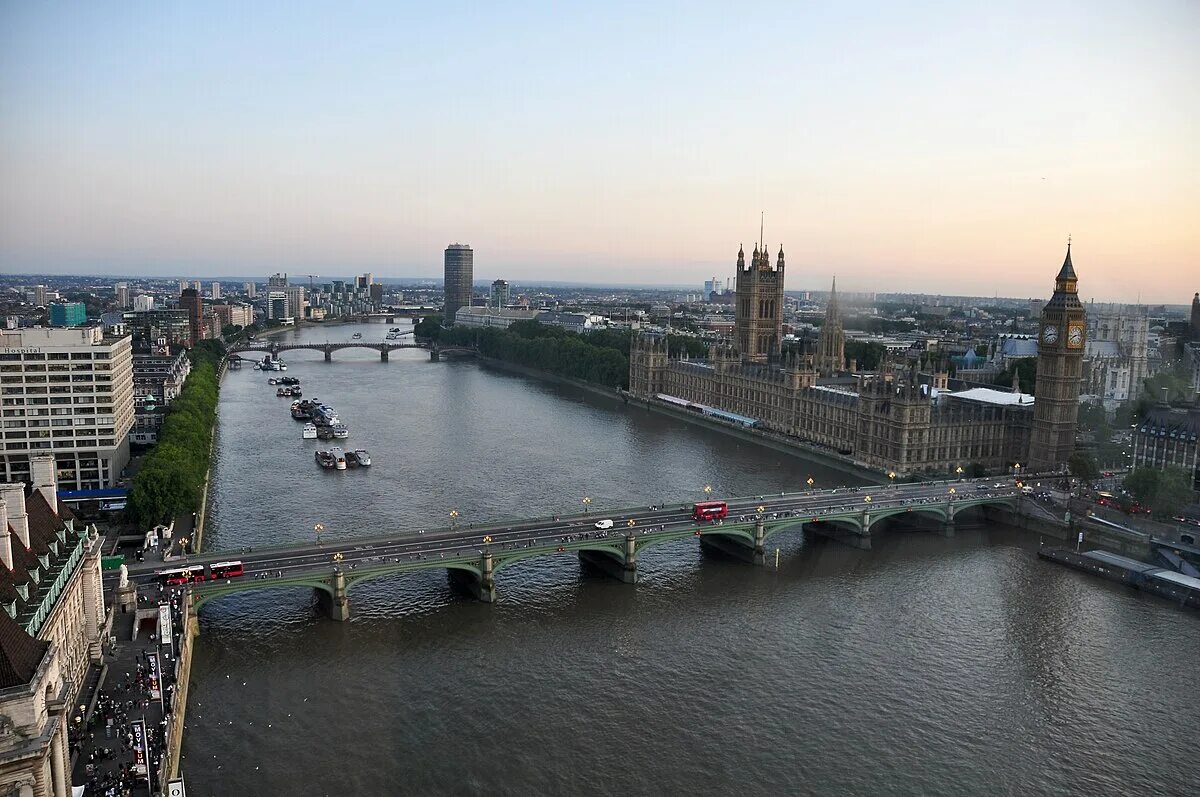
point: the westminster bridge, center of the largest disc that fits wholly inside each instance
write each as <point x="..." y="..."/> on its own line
<point x="473" y="554"/>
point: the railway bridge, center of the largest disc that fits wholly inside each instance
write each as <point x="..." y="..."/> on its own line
<point x="384" y="348"/>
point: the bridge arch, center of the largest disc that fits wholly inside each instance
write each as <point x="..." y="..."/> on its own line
<point x="199" y="598"/>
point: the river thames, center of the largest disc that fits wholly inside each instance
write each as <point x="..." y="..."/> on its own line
<point x="928" y="665"/>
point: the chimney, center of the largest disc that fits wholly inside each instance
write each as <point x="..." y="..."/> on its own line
<point x="14" y="496"/>
<point x="5" y="540"/>
<point x="42" y="471"/>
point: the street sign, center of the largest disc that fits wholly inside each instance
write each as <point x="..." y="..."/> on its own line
<point x="175" y="788"/>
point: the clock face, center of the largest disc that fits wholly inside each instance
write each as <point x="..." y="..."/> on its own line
<point x="1050" y="333"/>
<point x="1075" y="336"/>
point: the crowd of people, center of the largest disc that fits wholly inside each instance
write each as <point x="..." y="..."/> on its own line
<point x="106" y="747"/>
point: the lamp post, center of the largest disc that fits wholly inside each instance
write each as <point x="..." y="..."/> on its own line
<point x="707" y="490"/>
<point x="810" y="482"/>
<point x="318" y="528"/>
<point x="183" y="547"/>
<point x="892" y="476"/>
<point x="587" y="504"/>
<point x="453" y="517"/>
<point x="958" y="470"/>
<point x="337" y="558"/>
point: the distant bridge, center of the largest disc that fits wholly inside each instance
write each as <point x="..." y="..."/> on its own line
<point x="473" y="555"/>
<point x="436" y="352"/>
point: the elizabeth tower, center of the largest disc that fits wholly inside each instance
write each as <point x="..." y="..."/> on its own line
<point x="1059" y="373"/>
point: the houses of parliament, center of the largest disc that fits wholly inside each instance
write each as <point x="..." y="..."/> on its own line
<point x="897" y="419"/>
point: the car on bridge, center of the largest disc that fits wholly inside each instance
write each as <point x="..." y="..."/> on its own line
<point x="604" y="524"/>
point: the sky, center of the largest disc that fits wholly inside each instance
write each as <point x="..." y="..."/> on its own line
<point x="941" y="147"/>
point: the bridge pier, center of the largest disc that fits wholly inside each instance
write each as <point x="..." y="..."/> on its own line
<point x="336" y="605"/>
<point x="383" y="355"/>
<point x="735" y="547"/>
<point x="481" y="587"/>
<point x="845" y="535"/>
<point x="434" y="355"/>
<point x="948" y="526"/>
<point x="621" y="568"/>
<point x="328" y="354"/>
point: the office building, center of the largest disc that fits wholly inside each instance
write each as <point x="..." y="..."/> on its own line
<point x="158" y="375"/>
<point x="296" y="303"/>
<point x="1169" y="438"/>
<point x="500" y="296"/>
<point x="51" y="630"/>
<point x="39" y="295"/>
<point x="458" y="279"/>
<point x="69" y="393"/>
<point x="191" y="302"/>
<point x="277" y="282"/>
<point x="238" y="315"/>
<point x="143" y="302"/>
<point x="121" y="291"/>
<point x="67" y="314"/>
<point x="148" y="326"/>
<point x="277" y="306"/>
<point x="492" y="317"/>
<point x="250" y="289"/>
<point x="216" y="290"/>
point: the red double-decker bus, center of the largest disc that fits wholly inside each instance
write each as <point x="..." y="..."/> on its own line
<point x="226" y="570"/>
<point x="709" y="510"/>
<point x="181" y="575"/>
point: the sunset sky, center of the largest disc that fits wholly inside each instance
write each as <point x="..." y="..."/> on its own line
<point x="945" y="147"/>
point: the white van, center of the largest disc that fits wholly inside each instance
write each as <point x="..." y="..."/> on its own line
<point x="604" y="524"/>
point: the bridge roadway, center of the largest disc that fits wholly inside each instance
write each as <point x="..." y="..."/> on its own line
<point x="473" y="554"/>
<point x="384" y="347"/>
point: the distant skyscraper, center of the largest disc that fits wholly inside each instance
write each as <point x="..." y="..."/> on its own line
<point x="197" y="287"/>
<point x="459" y="278"/>
<point x="500" y="294"/>
<point x="183" y="286"/>
<point x="39" y="295"/>
<point x="250" y="288"/>
<point x="1196" y="317"/>
<point x="190" y="301"/>
<point x="216" y="290"/>
<point x="143" y="302"/>
<point x="121" y="290"/>
<point x="277" y="282"/>
<point x="295" y="295"/>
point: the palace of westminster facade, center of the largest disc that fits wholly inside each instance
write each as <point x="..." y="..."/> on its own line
<point x="896" y="419"/>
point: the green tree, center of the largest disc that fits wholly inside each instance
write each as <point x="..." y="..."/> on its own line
<point x="1174" y="492"/>
<point x="1026" y="370"/>
<point x="1142" y="484"/>
<point x="975" y="470"/>
<point x="867" y="355"/>
<point x="1083" y="466"/>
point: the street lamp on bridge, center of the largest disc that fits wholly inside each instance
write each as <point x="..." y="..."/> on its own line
<point x="318" y="528"/>
<point x="892" y="476"/>
<point x="810" y="482"/>
<point x="707" y="490"/>
<point x="453" y="517"/>
<point x="587" y="503"/>
<point x="337" y="558"/>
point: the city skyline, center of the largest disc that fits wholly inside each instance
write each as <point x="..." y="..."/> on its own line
<point x="946" y="152"/>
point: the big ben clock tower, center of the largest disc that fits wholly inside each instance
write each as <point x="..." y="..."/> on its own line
<point x="1059" y="373"/>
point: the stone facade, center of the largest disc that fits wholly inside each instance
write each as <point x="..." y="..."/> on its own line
<point x="897" y="421"/>
<point x="831" y="343"/>
<point x="1061" y="344"/>
<point x="51" y="628"/>
<point x="759" y="306"/>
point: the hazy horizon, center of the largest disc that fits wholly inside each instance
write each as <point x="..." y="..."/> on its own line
<point x="946" y="149"/>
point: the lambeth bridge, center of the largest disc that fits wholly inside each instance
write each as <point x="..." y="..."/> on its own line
<point x="436" y="351"/>
<point x="474" y="554"/>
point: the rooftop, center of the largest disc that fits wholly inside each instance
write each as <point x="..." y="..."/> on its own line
<point x="988" y="395"/>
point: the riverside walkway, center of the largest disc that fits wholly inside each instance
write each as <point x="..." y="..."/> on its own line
<point x="474" y="553"/>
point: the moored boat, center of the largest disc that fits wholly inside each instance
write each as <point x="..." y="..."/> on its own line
<point x="362" y="456"/>
<point x="309" y="433"/>
<point x="340" y="431"/>
<point x="339" y="458"/>
<point x="325" y="459"/>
